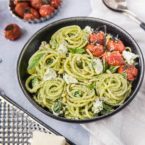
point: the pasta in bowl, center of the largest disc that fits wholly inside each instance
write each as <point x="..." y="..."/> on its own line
<point x="82" y="73"/>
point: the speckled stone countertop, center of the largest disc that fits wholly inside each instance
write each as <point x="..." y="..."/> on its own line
<point x="9" y="52"/>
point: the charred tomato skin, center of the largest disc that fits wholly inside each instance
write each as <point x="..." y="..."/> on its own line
<point x="115" y="45"/>
<point x="36" y="3"/>
<point x="55" y="3"/>
<point x="113" y="58"/>
<point x="130" y="70"/>
<point x="31" y="14"/>
<point x="97" y="37"/>
<point x="20" y="1"/>
<point x="12" y="32"/>
<point x="46" y="10"/>
<point x="96" y="50"/>
<point x="20" y="8"/>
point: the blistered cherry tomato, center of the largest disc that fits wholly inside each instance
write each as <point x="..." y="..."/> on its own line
<point x="36" y="3"/>
<point x="130" y="70"/>
<point x="97" y="37"/>
<point x="115" y="45"/>
<point x="113" y="58"/>
<point x="20" y="1"/>
<point x="12" y="32"/>
<point x="20" y="8"/>
<point x="16" y="1"/>
<point x="46" y="10"/>
<point x="55" y="3"/>
<point x="31" y="14"/>
<point x="96" y="50"/>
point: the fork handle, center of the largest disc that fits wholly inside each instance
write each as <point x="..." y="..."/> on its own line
<point x="135" y="17"/>
<point x="142" y="25"/>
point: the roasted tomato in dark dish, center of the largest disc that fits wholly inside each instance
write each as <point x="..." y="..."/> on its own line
<point x="97" y="37"/>
<point x="130" y="70"/>
<point x="113" y="58"/>
<point x="31" y="14"/>
<point x="96" y="50"/>
<point x="12" y="32"/>
<point x="46" y="10"/>
<point x="115" y="45"/>
<point x="55" y="3"/>
<point x="36" y="3"/>
<point x="20" y="8"/>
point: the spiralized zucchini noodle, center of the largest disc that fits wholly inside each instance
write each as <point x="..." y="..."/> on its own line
<point x="72" y="36"/>
<point x="79" y="100"/>
<point x="112" y="88"/>
<point x="79" y="66"/>
<point x="50" y="92"/>
<point x="69" y="82"/>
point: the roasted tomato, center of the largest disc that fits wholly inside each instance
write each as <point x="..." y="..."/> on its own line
<point x="16" y="2"/>
<point x="96" y="50"/>
<point x="20" y="8"/>
<point x="46" y="10"/>
<point x="97" y="37"/>
<point x="130" y="70"/>
<point x="12" y="32"/>
<point x="55" y="3"/>
<point x="115" y="45"/>
<point x="31" y="14"/>
<point x="19" y="1"/>
<point x="113" y="58"/>
<point x="36" y="3"/>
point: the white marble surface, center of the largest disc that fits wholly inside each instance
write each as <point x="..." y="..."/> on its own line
<point x="128" y="126"/>
<point x="9" y="52"/>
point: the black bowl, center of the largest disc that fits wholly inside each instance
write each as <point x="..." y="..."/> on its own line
<point x="45" y="34"/>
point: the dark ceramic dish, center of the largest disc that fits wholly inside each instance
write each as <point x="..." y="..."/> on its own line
<point x="41" y="19"/>
<point x="45" y="33"/>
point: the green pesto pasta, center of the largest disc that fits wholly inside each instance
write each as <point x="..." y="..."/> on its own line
<point x="79" y="66"/>
<point x="50" y="92"/>
<point x="72" y="36"/>
<point x="79" y="100"/>
<point x="112" y="88"/>
<point x="72" y="83"/>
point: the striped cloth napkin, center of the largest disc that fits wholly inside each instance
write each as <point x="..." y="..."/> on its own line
<point x="128" y="126"/>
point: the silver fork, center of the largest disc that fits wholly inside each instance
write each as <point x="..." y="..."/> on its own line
<point x="121" y="6"/>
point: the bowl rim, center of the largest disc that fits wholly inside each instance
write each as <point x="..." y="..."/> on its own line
<point x="41" y="109"/>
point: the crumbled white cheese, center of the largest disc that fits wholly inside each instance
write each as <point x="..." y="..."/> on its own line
<point x="40" y="138"/>
<point x="69" y="79"/>
<point x="98" y="65"/>
<point x="129" y="56"/>
<point x="88" y="29"/>
<point x="97" y="106"/>
<point x="56" y="113"/>
<point x="62" y="48"/>
<point x="50" y="74"/>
